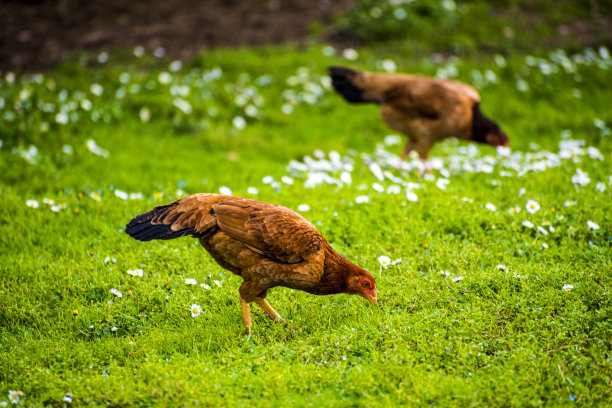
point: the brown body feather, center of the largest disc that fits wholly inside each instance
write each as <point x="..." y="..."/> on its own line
<point x="425" y="109"/>
<point x="267" y="245"/>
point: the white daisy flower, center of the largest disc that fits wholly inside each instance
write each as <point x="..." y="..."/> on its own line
<point x="116" y="293"/>
<point x="122" y="194"/>
<point x="527" y="224"/>
<point x="136" y="272"/>
<point x="502" y="267"/>
<point x="303" y="207"/>
<point x="532" y="206"/>
<point x="114" y="328"/>
<point x="567" y="287"/>
<point x="391" y="140"/>
<point x="253" y="190"/>
<point x="225" y="190"/>
<point x="362" y="199"/>
<point x="96" y="89"/>
<point x="399" y="13"/>
<point x="287" y="109"/>
<point x="570" y="203"/>
<point x="581" y="178"/>
<point x="384" y="261"/>
<point x="205" y="286"/>
<point x="457" y="279"/>
<point x="61" y="118"/>
<point x="191" y="281"/>
<point x="66" y="149"/>
<point x="32" y="203"/>
<point x="398" y="260"/>
<point x="521" y="192"/>
<point x="144" y="114"/>
<point x="411" y="196"/>
<point x="96" y="196"/>
<point x="378" y="187"/>
<point x="594" y="153"/>
<point x="500" y="60"/>
<point x="503" y="151"/>
<point x="350" y="54"/>
<point x="15" y="396"/>
<point x="444" y="274"/>
<point x="514" y="210"/>
<point x="328" y="51"/>
<point x="345" y="177"/>
<point x="592" y="225"/>
<point x="377" y="171"/>
<point x="250" y="110"/>
<point x="216" y="282"/>
<point x="394" y="189"/>
<point x="388" y="65"/>
<point x="239" y="122"/>
<point x="175" y="66"/>
<point x="164" y="78"/>
<point x="441" y="183"/>
<point x="601" y="187"/>
<point x="195" y="310"/>
<point x="86" y="105"/>
<point x="542" y="230"/>
<point x="490" y="207"/>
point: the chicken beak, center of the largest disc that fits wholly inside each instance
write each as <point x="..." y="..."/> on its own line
<point x="371" y="299"/>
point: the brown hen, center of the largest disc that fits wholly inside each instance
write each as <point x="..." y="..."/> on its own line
<point x="267" y="245"/>
<point x="425" y="109"/>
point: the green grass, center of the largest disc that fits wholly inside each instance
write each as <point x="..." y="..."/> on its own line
<point x="492" y="339"/>
<point x="470" y="27"/>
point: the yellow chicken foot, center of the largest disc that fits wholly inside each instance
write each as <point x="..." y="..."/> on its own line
<point x="263" y="303"/>
<point x="246" y="315"/>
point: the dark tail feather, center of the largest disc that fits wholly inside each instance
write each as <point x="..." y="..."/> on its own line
<point x="143" y="227"/>
<point x="342" y="82"/>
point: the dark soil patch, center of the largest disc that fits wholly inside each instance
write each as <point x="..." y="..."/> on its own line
<point x="36" y="35"/>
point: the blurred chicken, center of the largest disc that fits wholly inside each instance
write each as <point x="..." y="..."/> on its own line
<point x="425" y="109"/>
<point x="266" y="244"/>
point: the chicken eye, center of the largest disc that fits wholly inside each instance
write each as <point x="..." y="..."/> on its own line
<point x="366" y="284"/>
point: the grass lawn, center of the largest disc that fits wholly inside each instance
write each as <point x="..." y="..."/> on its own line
<point x="493" y="303"/>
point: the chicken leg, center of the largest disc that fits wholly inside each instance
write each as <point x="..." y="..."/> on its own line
<point x="423" y="154"/>
<point x="407" y="149"/>
<point x="263" y="303"/>
<point x="246" y="315"/>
